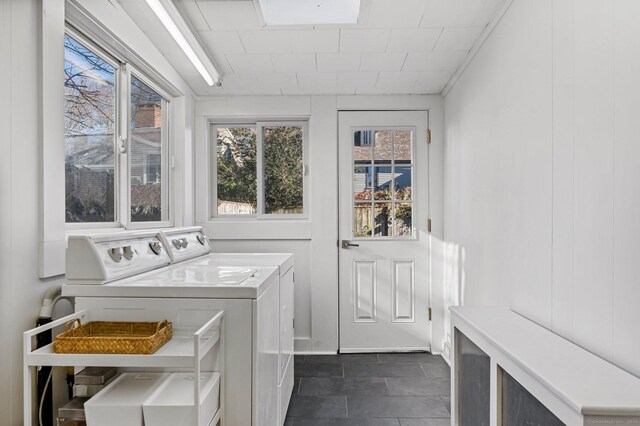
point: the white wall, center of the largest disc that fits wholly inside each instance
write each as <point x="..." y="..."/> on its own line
<point x="542" y="168"/>
<point x="21" y="290"/>
<point x="313" y="242"/>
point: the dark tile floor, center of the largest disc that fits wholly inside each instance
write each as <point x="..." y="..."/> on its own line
<point x="411" y="389"/>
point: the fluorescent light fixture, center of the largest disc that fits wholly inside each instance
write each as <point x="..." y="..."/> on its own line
<point x="309" y="12"/>
<point x="177" y="27"/>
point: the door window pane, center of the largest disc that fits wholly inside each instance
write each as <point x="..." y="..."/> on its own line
<point x="383" y="147"/>
<point x="402" y="146"/>
<point x="362" y="183"/>
<point x="283" y="169"/>
<point x="148" y="196"/>
<point x="236" y="170"/>
<point x="385" y="182"/>
<point x="362" y="145"/>
<point x="402" y="183"/>
<point x="403" y="216"/>
<point x="362" y="218"/>
<point x="382" y="219"/>
<point x="89" y="125"/>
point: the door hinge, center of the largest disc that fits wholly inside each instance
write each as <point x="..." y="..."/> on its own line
<point x="429" y="225"/>
<point x="428" y="136"/>
<point x="429" y="314"/>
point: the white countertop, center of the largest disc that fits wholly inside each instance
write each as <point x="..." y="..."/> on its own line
<point x="591" y="385"/>
<point x="284" y="261"/>
<point x="185" y="280"/>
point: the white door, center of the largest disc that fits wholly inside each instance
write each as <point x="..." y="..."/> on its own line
<point x="384" y="257"/>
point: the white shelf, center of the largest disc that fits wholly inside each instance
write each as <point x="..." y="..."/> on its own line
<point x="176" y="353"/>
<point x="184" y="350"/>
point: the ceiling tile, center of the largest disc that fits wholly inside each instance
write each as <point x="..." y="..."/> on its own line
<point x="278" y="80"/>
<point x="238" y="81"/>
<point x="298" y="62"/>
<point x="363" y="40"/>
<point x="318" y="80"/>
<point x="230" y="15"/>
<point x="413" y="39"/>
<point x="395" y="13"/>
<point x="222" y="42"/>
<point x="458" y="13"/>
<point x="432" y="81"/>
<point x="382" y="61"/>
<point x="164" y="42"/>
<point x="249" y="64"/>
<point x="245" y="84"/>
<point x="328" y="62"/>
<point x="193" y="14"/>
<point x="181" y="63"/>
<point x="319" y="91"/>
<point x="314" y="41"/>
<point x="461" y="39"/>
<point x="433" y="61"/>
<point x="348" y="80"/>
<point x="222" y="65"/>
<point x="398" y="80"/>
<point x="142" y="15"/>
<point x="261" y="41"/>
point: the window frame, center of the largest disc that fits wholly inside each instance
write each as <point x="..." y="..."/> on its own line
<point x="122" y="142"/>
<point x="212" y="169"/>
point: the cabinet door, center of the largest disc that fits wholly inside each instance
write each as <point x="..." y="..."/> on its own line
<point x="286" y="320"/>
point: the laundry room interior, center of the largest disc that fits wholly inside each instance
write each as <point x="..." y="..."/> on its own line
<point x="319" y="212"/>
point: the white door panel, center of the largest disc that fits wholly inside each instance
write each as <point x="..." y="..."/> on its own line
<point x="384" y="259"/>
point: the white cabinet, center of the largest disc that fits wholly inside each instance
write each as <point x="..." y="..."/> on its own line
<point x="186" y="350"/>
<point x="508" y="370"/>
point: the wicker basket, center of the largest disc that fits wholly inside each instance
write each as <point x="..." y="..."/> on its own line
<point x="113" y="337"/>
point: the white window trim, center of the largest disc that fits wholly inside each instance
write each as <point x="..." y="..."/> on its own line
<point x="244" y="228"/>
<point x="258" y="125"/>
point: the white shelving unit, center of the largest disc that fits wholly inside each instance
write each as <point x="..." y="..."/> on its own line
<point x="183" y="351"/>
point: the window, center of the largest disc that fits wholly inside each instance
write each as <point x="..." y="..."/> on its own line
<point x="382" y="183"/>
<point x="101" y="150"/>
<point x="148" y="194"/>
<point x="258" y="170"/>
<point x="90" y="134"/>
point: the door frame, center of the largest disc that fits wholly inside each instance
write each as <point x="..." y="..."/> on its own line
<point x="427" y="160"/>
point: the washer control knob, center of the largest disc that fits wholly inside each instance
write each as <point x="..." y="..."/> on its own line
<point x="184" y="243"/>
<point x="201" y="239"/>
<point x="127" y="252"/>
<point x="116" y="254"/>
<point x="177" y="243"/>
<point x="155" y="247"/>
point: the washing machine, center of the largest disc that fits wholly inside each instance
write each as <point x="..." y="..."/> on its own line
<point x="148" y="276"/>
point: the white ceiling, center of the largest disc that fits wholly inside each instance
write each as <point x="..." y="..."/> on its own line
<point x="399" y="47"/>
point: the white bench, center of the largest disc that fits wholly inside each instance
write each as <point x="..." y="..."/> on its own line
<point x="574" y="385"/>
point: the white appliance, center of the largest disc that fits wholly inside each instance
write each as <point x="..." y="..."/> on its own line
<point x="153" y="275"/>
<point x="285" y="264"/>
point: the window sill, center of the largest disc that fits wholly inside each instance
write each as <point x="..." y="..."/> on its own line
<point x="256" y="229"/>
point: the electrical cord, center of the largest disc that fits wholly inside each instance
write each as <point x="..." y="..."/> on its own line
<point x="44" y="391"/>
